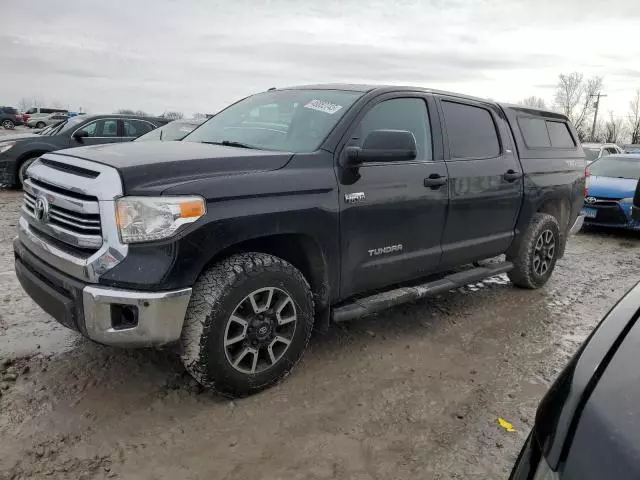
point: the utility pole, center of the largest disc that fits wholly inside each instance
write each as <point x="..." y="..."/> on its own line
<point x="595" y="116"/>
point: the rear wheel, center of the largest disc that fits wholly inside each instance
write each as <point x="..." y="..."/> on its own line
<point x="536" y="253"/>
<point x="41" y="125"/>
<point x="8" y="124"/>
<point x="248" y="323"/>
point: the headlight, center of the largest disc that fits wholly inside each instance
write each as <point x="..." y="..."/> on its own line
<point x="544" y="472"/>
<point x="142" y="219"/>
<point x="627" y="200"/>
<point x="4" y="146"/>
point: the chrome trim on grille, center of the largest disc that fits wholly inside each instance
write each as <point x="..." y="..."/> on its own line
<point x="60" y="200"/>
<point x="87" y="226"/>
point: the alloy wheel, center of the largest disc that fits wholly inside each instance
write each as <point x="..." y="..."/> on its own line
<point x="544" y="252"/>
<point x="260" y="330"/>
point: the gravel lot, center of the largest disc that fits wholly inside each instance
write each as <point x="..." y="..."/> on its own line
<point x="413" y="393"/>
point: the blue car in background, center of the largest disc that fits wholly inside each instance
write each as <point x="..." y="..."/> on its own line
<point x="611" y="186"/>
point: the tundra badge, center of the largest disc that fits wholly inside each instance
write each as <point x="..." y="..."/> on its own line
<point x="383" y="250"/>
<point x="354" y="197"/>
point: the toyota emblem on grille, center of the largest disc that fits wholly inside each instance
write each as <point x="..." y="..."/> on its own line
<point x="41" y="209"/>
<point x="590" y="199"/>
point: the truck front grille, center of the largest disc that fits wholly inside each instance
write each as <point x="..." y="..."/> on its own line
<point x="71" y="218"/>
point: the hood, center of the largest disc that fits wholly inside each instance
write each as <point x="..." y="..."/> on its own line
<point x="155" y="166"/>
<point x="610" y="187"/>
<point x="18" y="136"/>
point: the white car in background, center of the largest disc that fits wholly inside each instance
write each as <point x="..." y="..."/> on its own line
<point x="594" y="151"/>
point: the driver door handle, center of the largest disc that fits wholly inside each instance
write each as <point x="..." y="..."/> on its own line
<point x="435" y="180"/>
<point x="511" y="175"/>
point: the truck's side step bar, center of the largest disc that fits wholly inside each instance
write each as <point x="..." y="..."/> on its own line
<point x="382" y="301"/>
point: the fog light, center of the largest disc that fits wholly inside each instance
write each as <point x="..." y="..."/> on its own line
<point x="124" y="317"/>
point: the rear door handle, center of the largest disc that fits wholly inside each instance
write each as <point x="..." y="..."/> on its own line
<point x="511" y="176"/>
<point x="435" y="180"/>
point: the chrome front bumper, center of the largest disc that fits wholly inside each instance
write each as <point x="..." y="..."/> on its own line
<point x="160" y="316"/>
<point x="577" y="225"/>
<point x="112" y="316"/>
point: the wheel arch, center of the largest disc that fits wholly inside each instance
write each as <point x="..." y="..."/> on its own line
<point x="300" y="250"/>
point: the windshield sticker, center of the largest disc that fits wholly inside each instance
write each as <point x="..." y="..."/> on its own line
<point x="322" y="106"/>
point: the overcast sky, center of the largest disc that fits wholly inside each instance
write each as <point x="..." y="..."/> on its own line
<point x="197" y="56"/>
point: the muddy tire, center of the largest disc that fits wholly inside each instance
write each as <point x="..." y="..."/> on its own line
<point x="248" y="323"/>
<point x="536" y="253"/>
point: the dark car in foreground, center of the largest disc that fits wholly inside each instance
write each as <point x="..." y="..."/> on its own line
<point x="611" y="185"/>
<point x="17" y="152"/>
<point x="172" y="131"/>
<point x="588" y="425"/>
<point x="10" y="118"/>
<point x="292" y="209"/>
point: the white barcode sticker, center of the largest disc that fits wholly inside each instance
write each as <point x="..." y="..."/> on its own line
<point x="322" y="106"/>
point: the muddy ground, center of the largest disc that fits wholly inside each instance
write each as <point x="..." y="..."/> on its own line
<point x="414" y="393"/>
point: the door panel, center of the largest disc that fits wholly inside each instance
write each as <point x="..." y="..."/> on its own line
<point x="485" y="194"/>
<point x="391" y="223"/>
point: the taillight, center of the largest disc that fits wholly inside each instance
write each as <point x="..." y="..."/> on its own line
<point x="587" y="174"/>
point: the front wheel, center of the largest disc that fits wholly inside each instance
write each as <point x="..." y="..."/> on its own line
<point x="41" y="125"/>
<point x="248" y="323"/>
<point x="8" y="124"/>
<point x="22" y="171"/>
<point x="536" y="253"/>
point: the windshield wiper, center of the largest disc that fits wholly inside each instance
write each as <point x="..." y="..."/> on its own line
<point x="230" y="143"/>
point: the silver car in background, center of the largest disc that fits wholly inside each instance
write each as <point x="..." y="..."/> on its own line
<point x="594" y="151"/>
<point x="41" y="121"/>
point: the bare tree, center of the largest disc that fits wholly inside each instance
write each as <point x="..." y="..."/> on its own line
<point x="173" y="115"/>
<point x="129" y="111"/>
<point x="26" y="103"/>
<point x="533" y="101"/>
<point x="634" y="118"/>
<point x="613" y="129"/>
<point x="199" y="115"/>
<point x="574" y="96"/>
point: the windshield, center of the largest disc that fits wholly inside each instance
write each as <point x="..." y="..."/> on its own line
<point x="591" y="153"/>
<point x="175" y="130"/>
<point x="617" y="167"/>
<point x="289" y="120"/>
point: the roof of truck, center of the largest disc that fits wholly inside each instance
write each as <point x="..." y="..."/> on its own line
<point x="394" y="88"/>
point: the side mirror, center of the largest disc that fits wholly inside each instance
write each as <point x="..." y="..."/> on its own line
<point x="80" y="134"/>
<point x="382" y="146"/>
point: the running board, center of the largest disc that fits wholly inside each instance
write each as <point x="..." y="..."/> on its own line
<point x="382" y="301"/>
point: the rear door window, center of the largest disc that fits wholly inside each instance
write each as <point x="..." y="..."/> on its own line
<point x="135" y="128"/>
<point x="471" y="131"/>
<point x="560" y="135"/>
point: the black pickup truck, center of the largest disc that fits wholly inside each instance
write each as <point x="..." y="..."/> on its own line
<point x="291" y="209"/>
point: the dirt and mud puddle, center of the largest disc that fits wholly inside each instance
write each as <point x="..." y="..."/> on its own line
<point x="413" y="393"/>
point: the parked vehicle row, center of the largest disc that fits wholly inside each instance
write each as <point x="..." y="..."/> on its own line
<point x="291" y="209"/>
<point x="17" y="152"/>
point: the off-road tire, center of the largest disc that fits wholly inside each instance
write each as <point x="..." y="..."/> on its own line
<point x="215" y="295"/>
<point x="523" y="274"/>
<point x="8" y="124"/>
